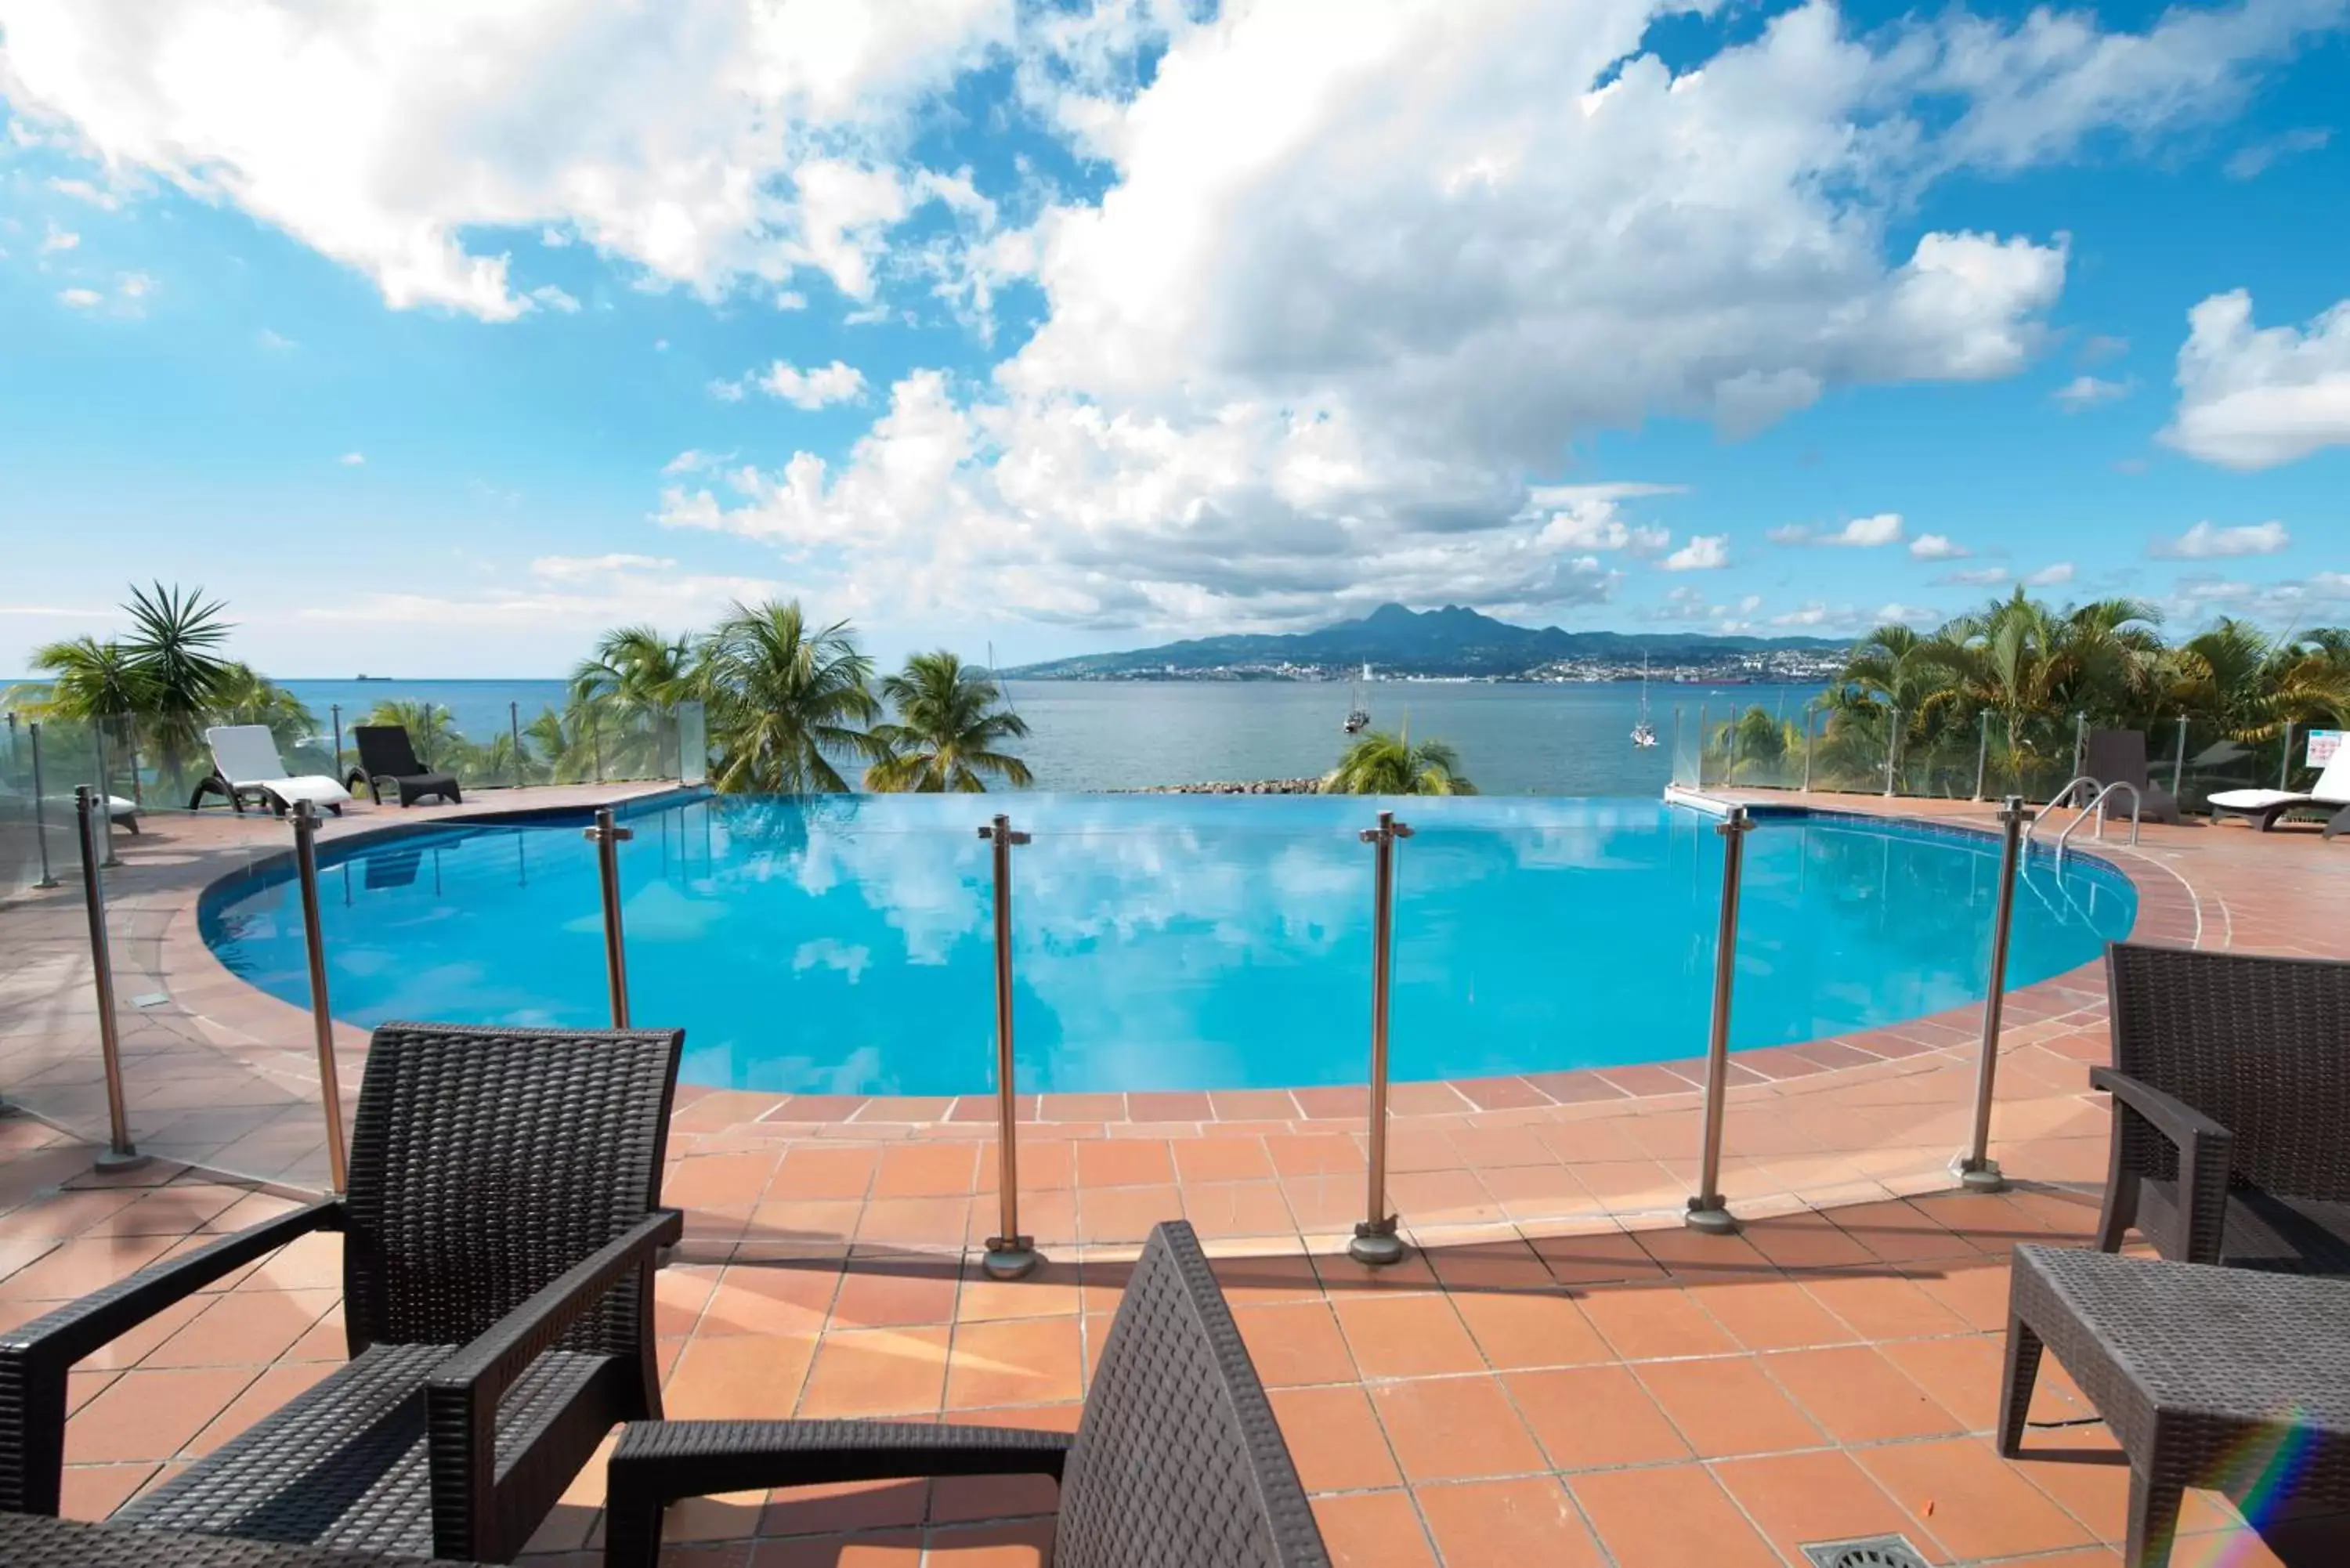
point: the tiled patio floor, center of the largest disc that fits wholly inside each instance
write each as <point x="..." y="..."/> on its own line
<point x="1561" y="1376"/>
<point x="1634" y="1398"/>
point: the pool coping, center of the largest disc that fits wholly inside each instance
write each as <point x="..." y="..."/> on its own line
<point x="2167" y="910"/>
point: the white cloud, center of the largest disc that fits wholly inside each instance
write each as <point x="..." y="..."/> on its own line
<point x="81" y="298"/>
<point x="561" y="596"/>
<point x="134" y="286"/>
<point x="56" y="239"/>
<point x="583" y="569"/>
<point x="1812" y="615"/>
<point x="727" y="391"/>
<point x="1937" y="547"/>
<point x="2100" y="348"/>
<point x="2049" y="576"/>
<point x="2204" y="542"/>
<point x="1903" y="614"/>
<point x="555" y="298"/>
<point x="276" y="342"/>
<point x="83" y="191"/>
<point x="1703" y="552"/>
<point x="2087" y="391"/>
<point x="1235" y="411"/>
<point x="838" y="382"/>
<point x="1590" y="517"/>
<point x="352" y="459"/>
<point x="2252" y="399"/>
<point x="1861" y="532"/>
<point x="703" y="140"/>
<point x="660" y="345"/>
<point x="1978" y="577"/>
<point x="692" y="460"/>
<point x="2250" y="162"/>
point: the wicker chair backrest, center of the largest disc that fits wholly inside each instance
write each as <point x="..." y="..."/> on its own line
<point x="2259" y="1045"/>
<point x="386" y="752"/>
<point x="484" y="1162"/>
<point x="1176" y="1460"/>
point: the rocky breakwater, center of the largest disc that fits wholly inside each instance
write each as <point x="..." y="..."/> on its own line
<point x="1237" y="786"/>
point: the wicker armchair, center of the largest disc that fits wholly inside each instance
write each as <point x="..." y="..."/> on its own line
<point x="1176" y="1463"/>
<point x="499" y="1241"/>
<point x="2231" y="1105"/>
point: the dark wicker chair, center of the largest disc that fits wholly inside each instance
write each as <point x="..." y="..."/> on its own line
<point x="2231" y="1105"/>
<point x="1176" y="1463"/>
<point x="499" y="1241"/>
<point x="387" y="757"/>
<point x="29" y="1541"/>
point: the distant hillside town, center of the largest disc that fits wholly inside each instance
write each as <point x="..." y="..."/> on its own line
<point x="1394" y="643"/>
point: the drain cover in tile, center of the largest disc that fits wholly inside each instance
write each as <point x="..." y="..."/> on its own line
<point x="1866" y="1551"/>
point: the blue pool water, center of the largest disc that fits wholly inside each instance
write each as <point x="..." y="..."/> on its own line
<point x="844" y="945"/>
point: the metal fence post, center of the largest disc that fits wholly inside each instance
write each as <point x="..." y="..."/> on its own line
<point x="40" y="811"/>
<point x="2179" y="763"/>
<point x="596" y="747"/>
<point x="337" y="710"/>
<point x="1811" y="720"/>
<point x="2284" y="761"/>
<point x="2080" y="742"/>
<point x="1700" y="745"/>
<point x="1375" y="1240"/>
<point x="1009" y="1253"/>
<point x="607" y="837"/>
<point x="1977" y="1172"/>
<point x="514" y="737"/>
<point x="1982" y="751"/>
<point x="1673" y="764"/>
<point x="322" y="1018"/>
<point x="1892" y="746"/>
<point x="1707" y="1210"/>
<point x="1729" y="748"/>
<point x="90" y="817"/>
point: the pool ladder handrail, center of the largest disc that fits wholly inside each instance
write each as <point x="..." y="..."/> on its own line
<point x="2095" y="806"/>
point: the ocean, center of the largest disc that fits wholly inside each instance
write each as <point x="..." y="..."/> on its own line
<point x="1564" y="740"/>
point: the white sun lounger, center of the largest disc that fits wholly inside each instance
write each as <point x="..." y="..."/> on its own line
<point x="246" y="767"/>
<point x="2265" y="805"/>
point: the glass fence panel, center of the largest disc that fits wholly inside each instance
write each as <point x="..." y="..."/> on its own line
<point x="1851" y="746"/>
<point x="1687" y="740"/>
<point x="1197" y="960"/>
<point x="212" y="1070"/>
<point x="693" y="743"/>
<point x="1759" y="744"/>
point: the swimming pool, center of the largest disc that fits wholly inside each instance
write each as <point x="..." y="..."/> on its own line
<point x="843" y="945"/>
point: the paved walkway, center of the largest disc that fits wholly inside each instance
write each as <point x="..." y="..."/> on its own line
<point x="1561" y="1374"/>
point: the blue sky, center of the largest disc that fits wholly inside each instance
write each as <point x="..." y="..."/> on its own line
<point x="436" y="341"/>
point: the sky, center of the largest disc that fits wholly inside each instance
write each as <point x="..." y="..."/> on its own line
<point x="437" y="339"/>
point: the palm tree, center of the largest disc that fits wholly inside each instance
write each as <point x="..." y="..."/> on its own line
<point x="783" y="699"/>
<point x="947" y="732"/>
<point x="248" y="697"/>
<point x="96" y="684"/>
<point x="173" y="635"/>
<point x="627" y="692"/>
<point x="1381" y="763"/>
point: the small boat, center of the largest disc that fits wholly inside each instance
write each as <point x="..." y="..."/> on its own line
<point x="1644" y="734"/>
<point x="1359" y="717"/>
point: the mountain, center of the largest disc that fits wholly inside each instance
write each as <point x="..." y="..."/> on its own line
<point x="1453" y="641"/>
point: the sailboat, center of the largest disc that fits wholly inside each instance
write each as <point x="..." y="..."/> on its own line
<point x="1358" y="718"/>
<point x="1644" y="734"/>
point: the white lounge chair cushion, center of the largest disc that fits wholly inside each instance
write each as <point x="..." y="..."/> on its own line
<point x="246" y="756"/>
<point x="2332" y="788"/>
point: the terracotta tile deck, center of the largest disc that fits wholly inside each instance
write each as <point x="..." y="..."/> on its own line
<point x="1561" y="1373"/>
